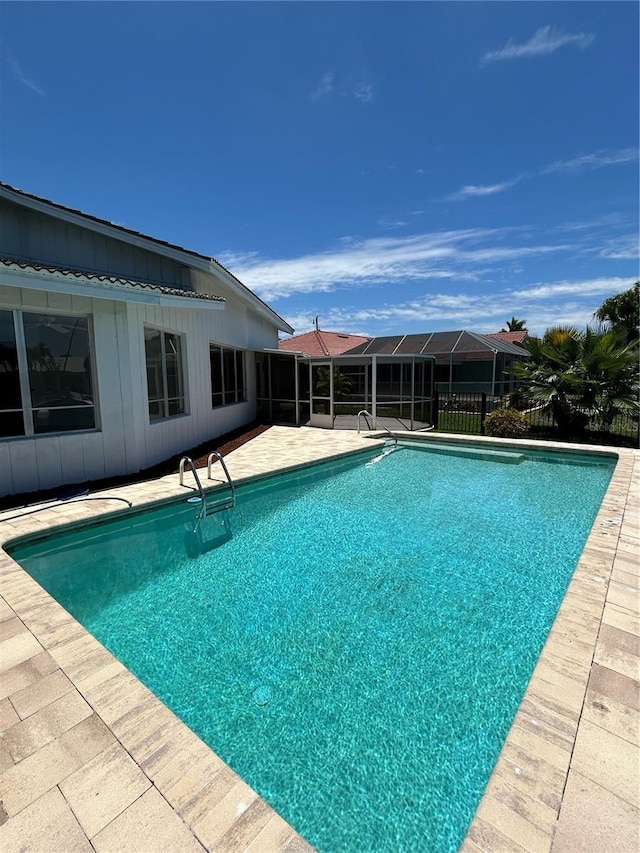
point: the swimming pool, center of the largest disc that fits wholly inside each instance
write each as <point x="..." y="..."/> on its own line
<point x="365" y="697"/>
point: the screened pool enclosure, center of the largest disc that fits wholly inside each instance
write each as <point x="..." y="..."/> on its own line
<point x="330" y="391"/>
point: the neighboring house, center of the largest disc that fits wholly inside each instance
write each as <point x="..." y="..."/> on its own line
<point x="464" y="361"/>
<point x="314" y="379"/>
<point x="117" y="350"/>
<point x="510" y="337"/>
<point x="318" y="378"/>
<point x="319" y="342"/>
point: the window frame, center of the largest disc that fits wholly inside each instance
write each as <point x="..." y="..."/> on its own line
<point x="165" y="400"/>
<point x="28" y="409"/>
<point x="237" y="357"/>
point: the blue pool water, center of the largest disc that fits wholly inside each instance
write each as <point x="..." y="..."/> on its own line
<point x="357" y="640"/>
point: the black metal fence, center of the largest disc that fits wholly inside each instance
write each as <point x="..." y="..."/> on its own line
<point x="466" y="413"/>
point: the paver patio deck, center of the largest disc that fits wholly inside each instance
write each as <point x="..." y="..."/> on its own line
<point x="91" y="760"/>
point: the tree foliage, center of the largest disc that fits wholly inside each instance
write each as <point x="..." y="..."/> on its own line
<point x="580" y="376"/>
<point x="515" y="325"/>
<point x="622" y="313"/>
<point x="342" y="384"/>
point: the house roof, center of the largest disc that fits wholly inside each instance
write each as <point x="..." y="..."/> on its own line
<point x="510" y="337"/>
<point x="104" y="286"/>
<point x="318" y="342"/>
<point x="460" y="342"/>
<point x="187" y="256"/>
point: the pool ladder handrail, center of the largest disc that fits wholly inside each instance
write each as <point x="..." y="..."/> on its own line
<point x="186" y="460"/>
<point x="218" y="457"/>
<point x="376" y="421"/>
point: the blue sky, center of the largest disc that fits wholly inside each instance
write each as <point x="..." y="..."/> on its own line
<point x="388" y="167"/>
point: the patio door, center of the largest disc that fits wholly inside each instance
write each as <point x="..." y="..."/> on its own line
<point x="321" y="384"/>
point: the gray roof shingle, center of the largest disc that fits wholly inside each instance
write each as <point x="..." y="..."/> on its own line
<point x="9" y="263"/>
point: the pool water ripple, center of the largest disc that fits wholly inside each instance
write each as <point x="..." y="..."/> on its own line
<point x="357" y="649"/>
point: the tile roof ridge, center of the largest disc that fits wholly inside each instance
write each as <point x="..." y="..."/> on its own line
<point x="320" y="340"/>
<point x="343" y="334"/>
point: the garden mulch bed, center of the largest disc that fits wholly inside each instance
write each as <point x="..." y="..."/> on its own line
<point x="224" y="444"/>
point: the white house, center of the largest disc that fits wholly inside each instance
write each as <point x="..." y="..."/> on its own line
<point x="117" y="350"/>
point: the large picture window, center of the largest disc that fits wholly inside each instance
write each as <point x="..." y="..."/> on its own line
<point x="165" y="382"/>
<point x="227" y="376"/>
<point x="46" y="382"/>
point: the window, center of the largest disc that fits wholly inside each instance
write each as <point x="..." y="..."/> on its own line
<point x="46" y="381"/>
<point x="227" y="376"/>
<point x="11" y="414"/>
<point x="165" y="382"/>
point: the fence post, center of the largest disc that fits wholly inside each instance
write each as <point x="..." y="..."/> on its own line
<point x="435" y="405"/>
<point x="483" y="411"/>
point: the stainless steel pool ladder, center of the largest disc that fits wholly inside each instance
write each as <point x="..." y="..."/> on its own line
<point x="216" y="506"/>
<point x="214" y="455"/>
<point x="376" y="421"/>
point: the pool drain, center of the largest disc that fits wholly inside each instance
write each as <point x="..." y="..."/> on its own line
<point x="262" y="695"/>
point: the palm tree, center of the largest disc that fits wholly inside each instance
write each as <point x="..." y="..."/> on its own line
<point x="342" y="384"/>
<point x="514" y="325"/>
<point x="610" y="380"/>
<point x="580" y="376"/>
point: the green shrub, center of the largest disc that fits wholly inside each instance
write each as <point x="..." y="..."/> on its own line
<point x="506" y="423"/>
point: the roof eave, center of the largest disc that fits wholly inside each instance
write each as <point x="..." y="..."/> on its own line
<point x="175" y="253"/>
<point x="119" y="292"/>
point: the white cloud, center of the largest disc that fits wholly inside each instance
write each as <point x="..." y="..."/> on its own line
<point x="391" y="224"/>
<point x="17" y="70"/>
<point x="426" y="314"/>
<point x="574" y="165"/>
<point x="544" y="41"/>
<point x="590" y="287"/>
<point x="543" y="305"/>
<point x="606" y="221"/>
<point x="494" y="254"/>
<point x="363" y="92"/>
<point x="236" y="260"/>
<point x="360" y="90"/>
<point x="592" y="161"/>
<point x="472" y="190"/>
<point x="459" y="254"/>
<point x="324" y="87"/>
<point x="621" y="248"/>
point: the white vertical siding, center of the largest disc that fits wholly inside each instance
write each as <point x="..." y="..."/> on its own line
<point x="23" y="467"/>
<point x="48" y="461"/>
<point x="130" y="395"/>
<point x="125" y="441"/>
<point x="112" y="393"/>
<point x="164" y="438"/>
<point x="91" y="445"/>
<point x="72" y="463"/>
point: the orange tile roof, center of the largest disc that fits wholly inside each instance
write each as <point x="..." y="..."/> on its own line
<point x="510" y="337"/>
<point x="319" y="342"/>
